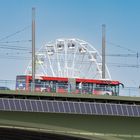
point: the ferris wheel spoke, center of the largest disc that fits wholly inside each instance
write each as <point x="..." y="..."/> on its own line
<point x="69" y="58"/>
<point x="44" y="71"/>
<point x="58" y="63"/>
<point x="73" y="62"/>
<point x="65" y="60"/>
<point x="108" y="72"/>
<point x="50" y="64"/>
<point x="88" y="69"/>
<point x="28" y="69"/>
<point x="83" y="55"/>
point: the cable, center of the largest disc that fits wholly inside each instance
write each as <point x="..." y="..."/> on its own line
<point x="14" y="47"/>
<point x="9" y="48"/>
<point x="124" y="55"/>
<point x="123" y="65"/>
<point x="17" y="41"/>
<point x="19" y="31"/>
<point x="119" y="46"/>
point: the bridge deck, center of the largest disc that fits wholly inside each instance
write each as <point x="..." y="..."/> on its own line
<point x="92" y="125"/>
<point x="82" y="97"/>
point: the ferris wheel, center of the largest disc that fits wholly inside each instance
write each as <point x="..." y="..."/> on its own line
<point x="72" y="58"/>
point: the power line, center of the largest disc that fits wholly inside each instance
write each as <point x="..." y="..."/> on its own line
<point x="15" y="57"/>
<point x="124" y="55"/>
<point x="17" y="32"/>
<point x="120" y="46"/>
<point x="14" y="48"/>
<point x="124" y="65"/>
<point x="85" y="62"/>
<point x="17" y="41"/>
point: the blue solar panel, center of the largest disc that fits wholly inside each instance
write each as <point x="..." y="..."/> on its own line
<point x="72" y="110"/>
<point x="98" y="108"/>
<point x="130" y="111"/>
<point x="12" y="105"/>
<point x="1" y="104"/>
<point x="6" y="104"/>
<point x="61" y="107"/>
<point x="23" y="106"/>
<point x="104" y="109"/>
<point x="119" y="109"/>
<point x="77" y="108"/>
<point x="66" y="106"/>
<point x="69" y="107"/>
<point x="28" y="105"/>
<point x="93" y="109"/>
<point x="39" y="106"/>
<point x="108" y="108"/>
<point x="138" y="107"/>
<point x="135" y="111"/>
<point x="17" y="105"/>
<point x="124" y="110"/>
<point x="82" y="108"/>
<point x="33" y="105"/>
<point x="87" y="108"/>
<point x="50" y="106"/>
<point x="114" y="109"/>
<point x="55" y="105"/>
<point x="45" y="106"/>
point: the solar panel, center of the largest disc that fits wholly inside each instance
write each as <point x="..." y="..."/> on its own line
<point x="61" y="107"/>
<point x="33" y="105"/>
<point x="6" y="104"/>
<point x="23" y="106"/>
<point x="82" y="108"/>
<point x="119" y="109"/>
<point x="66" y="106"/>
<point x="114" y="109"/>
<point x="69" y="107"/>
<point x="104" y="109"/>
<point x="87" y="108"/>
<point x="72" y="109"/>
<point x="93" y="108"/>
<point x="12" y="105"/>
<point x="130" y="111"/>
<point x="109" y="109"/>
<point x="55" y="105"/>
<point x="135" y="111"/>
<point x="45" y="106"/>
<point x="98" y="108"/>
<point x="124" y="110"/>
<point x="138" y="108"/>
<point x="1" y="104"/>
<point x="50" y="106"/>
<point x="77" y="108"/>
<point x="28" y="105"/>
<point x="39" y="106"/>
<point x="17" y="105"/>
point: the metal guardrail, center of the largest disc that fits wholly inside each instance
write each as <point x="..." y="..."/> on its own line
<point x="130" y="91"/>
<point x="126" y="91"/>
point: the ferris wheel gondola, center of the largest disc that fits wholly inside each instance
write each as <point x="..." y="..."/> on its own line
<point x="72" y="58"/>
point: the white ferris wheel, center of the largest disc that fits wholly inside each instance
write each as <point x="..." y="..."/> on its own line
<point x="72" y="58"/>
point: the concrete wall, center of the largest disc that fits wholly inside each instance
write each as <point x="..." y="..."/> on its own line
<point x="107" y="127"/>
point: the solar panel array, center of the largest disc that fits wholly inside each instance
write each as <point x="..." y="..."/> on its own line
<point x="72" y="107"/>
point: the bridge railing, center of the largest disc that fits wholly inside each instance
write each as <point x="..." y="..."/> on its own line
<point x="8" y="85"/>
<point x="130" y="91"/>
